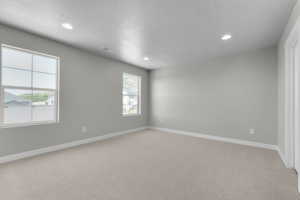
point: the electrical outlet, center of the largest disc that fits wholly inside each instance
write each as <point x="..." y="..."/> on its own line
<point x="252" y="131"/>
<point x="83" y="129"/>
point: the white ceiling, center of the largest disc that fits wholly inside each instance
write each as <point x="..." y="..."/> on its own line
<point x="169" y="32"/>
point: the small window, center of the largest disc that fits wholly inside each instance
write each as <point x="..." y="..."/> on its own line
<point x="29" y="87"/>
<point x="131" y="94"/>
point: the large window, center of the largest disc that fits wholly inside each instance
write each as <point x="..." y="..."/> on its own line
<point x="29" y="87"/>
<point x="131" y="94"/>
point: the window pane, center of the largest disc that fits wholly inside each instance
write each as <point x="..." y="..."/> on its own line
<point x="130" y="104"/>
<point x="17" y="59"/>
<point x="17" y="106"/>
<point x="130" y="110"/>
<point x="44" y="80"/>
<point x="131" y="86"/>
<point x="44" y="64"/>
<point x="130" y="82"/>
<point x="28" y="70"/>
<point x="130" y="91"/>
<point x="16" y="77"/>
<point x="43" y="106"/>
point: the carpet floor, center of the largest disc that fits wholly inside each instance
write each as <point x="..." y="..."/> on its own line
<point x="151" y="165"/>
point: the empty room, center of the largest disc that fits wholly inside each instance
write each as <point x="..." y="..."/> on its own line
<point x="149" y="100"/>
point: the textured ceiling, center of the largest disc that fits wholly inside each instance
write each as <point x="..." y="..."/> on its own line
<point x="169" y="32"/>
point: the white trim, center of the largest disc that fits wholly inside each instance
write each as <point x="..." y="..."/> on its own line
<point x="19" y="125"/>
<point x="29" y="51"/>
<point x="28" y="88"/>
<point x="218" y="138"/>
<point x="227" y="140"/>
<point x="291" y="99"/>
<point x="28" y="154"/>
<point x="55" y="91"/>
<point x="1" y="90"/>
<point x="282" y="157"/>
<point x="131" y="115"/>
<point x="290" y="121"/>
<point x="139" y="112"/>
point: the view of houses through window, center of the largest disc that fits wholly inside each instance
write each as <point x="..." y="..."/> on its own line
<point x="131" y="94"/>
<point x="28" y="86"/>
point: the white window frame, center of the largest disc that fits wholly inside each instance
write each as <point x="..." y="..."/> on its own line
<point x="139" y="95"/>
<point x="56" y="91"/>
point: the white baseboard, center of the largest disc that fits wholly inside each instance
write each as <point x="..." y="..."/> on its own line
<point x="45" y="150"/>
<point x="28" y="154"/>
<point x="218" y="138"/>
<point x="229" y="140"/>
<point x="282" y="157"/>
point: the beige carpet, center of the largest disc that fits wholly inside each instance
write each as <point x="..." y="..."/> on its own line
<point x="150" y="165"/>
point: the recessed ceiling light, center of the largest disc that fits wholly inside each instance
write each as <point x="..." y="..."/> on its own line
<point x="226" y="37"/>
<point x="67" y="26"/>
<point x="146" y="58"/>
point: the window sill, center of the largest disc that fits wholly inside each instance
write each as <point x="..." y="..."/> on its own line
<point x="131" y="115"/>
<point x="27" y="124"/>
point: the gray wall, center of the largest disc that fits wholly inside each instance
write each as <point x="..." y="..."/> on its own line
<point x="281" y="62"/>
<point x="91" y="89"/>
<point x="224" y="97"/>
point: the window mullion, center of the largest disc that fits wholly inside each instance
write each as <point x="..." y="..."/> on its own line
<point x="44" y="89"/>
<point x="1" y="91"/>
<point x="38" y="95"/>
<point x="31" y="109"/>
<point x="28" y="88"/>
<point x="2" y="105"/>
<point x="56" y="105"/>
<point x="139" y="95"/>
<point x="132" y="85"/>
